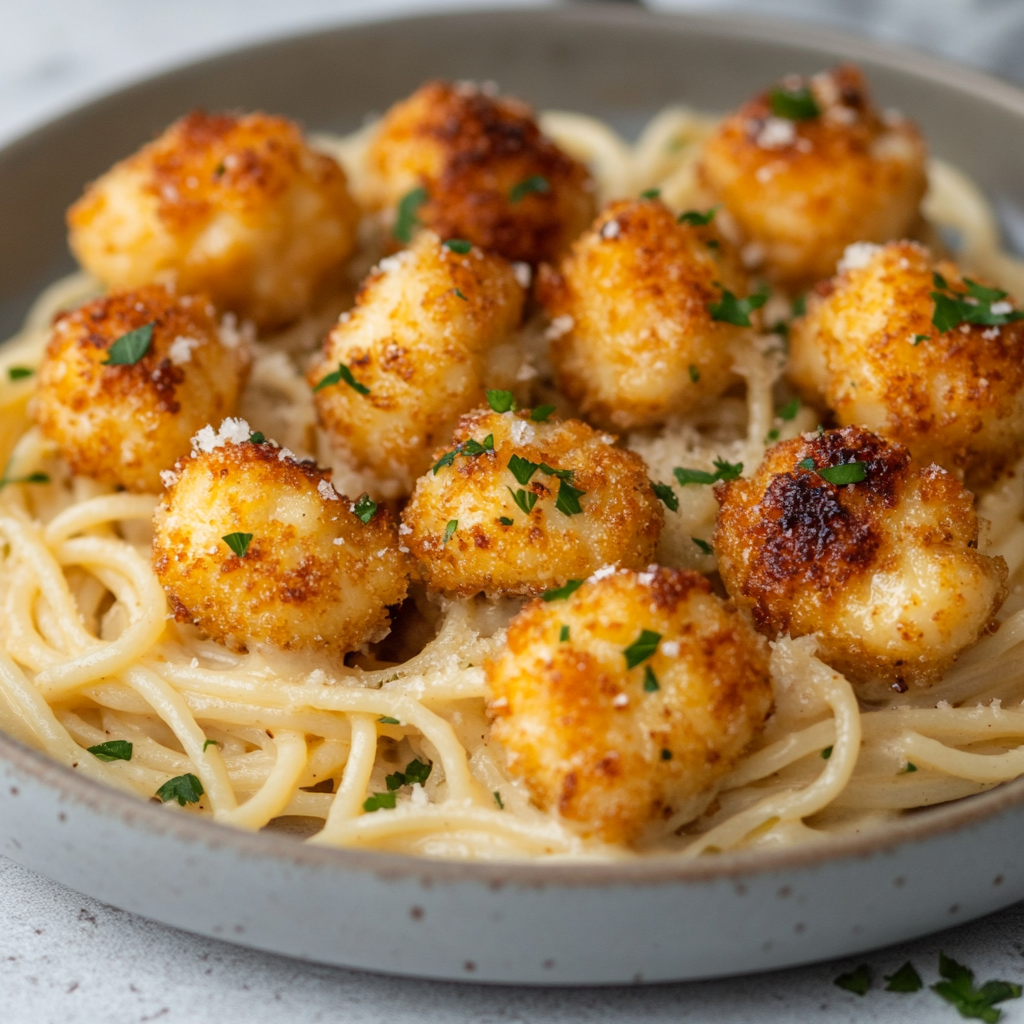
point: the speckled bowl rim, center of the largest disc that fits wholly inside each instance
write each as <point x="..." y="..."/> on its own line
<point x="647" y="871"/>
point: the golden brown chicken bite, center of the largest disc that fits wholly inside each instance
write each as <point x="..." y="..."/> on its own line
<point x="255" y="547"/>
<point x="868" y="349"/>
<point x="637" y="331"/>
<point x="514" y="506"/>
<point x="128" y="378"/>
<point x="811" y="166"/>
<point x="415" y="345"/>
<point x="622" y="706"/>
<point x="842" y="535"/>
<point x="488" y="173"/>
<point x="237" y="206"/>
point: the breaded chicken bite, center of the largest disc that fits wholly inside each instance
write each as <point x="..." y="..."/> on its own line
<point x="914" y="351"/>
<point x="639" y="329"/>
<point x="128" y="378"/>
<point x="622" y="706"/>
<point x="415" y="347"/>
<point x="468" y="164"/>
<point x="843" y="535"/>
<point x="237" y="206"/>
<point x="255" y="547"/>
<point x="811" y="166"/>
<point x="514" y="506"/>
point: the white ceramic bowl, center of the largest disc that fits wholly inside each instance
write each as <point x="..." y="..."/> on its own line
<point x="526" y="923"/>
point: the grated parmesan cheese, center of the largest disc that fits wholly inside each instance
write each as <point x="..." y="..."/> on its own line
<point x="777" y="133"/>
<point x="857" y="256"/>
<point x="327" y="491"/>
<point x="181" y="350"/>
<point x="233" y="430"/>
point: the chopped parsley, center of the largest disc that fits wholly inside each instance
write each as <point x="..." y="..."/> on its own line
<point x="826" y="753"/>
<point x="210" y="743"/>
<point x="238" y="542"/>
<point x="541" y="413"/>
<point x="667" y="495"/>
<point x="918" y="338"/>
<point x="723" y="471"/>
<point x="19" y="372"/>
<point x="504" y="520"/>
<point x="562" y="474"/>
<point x="186" y="789"/>
<point x="256" y="437"/>
<point x="365" y="508"/>
<point x="497" y="799"/>
<point x="735" y="311"/>
<point x="459" y="245"/>
<point x="468" y="448"/>
<point x="911" y="767"/>
<point x="789" y="410"/>
<point x="799" y="306"/>
<point x="563" y="634"/>
<point x="666" y="755"/>
<point x="848" y="473"/>
<point x="694" y="373"/>
<point x="378" y="801"/>
<point x="407" y="219"/>
<point x="501" y="401"/>
<point x="416" y="771"/>
<point x="696" y="218"/>
<point x="449" y="530"/>
<point x="857" y="981"/>
<point x="906" y="979"/>
<point x="524" y="499"/>
<point x="130" y="347"/>
<point x="651" y="193"/>
<point x="568" y="500"/>
<point x="650" y="680"/>
<point x="112" y="750"/>
<point x="460" y="295"/>
<point x="342" y="373"/>
<point x="704" y="546"/>
<point x="793" y="104"/>
<point x="571" y="586"/>
<point x="772" y="436"/>
<point x="388" y="720"/>
<point x="958" y="989"/>
<point x="641" y="648"/>
<point x="522" y="469"/>
<point x="978" y="305"/>
<point x="806" y="464"/>
<point x="32" y="478"/>
<point x="535" y="183"/>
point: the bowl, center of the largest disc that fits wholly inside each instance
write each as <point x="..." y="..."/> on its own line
<point x="551" y="923"/>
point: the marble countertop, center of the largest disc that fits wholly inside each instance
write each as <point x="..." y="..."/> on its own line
<point x="66" y="959"/>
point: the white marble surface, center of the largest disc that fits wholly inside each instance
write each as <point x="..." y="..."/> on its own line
<point x="65" y="959"/>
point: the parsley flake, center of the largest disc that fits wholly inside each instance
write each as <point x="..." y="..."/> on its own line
<point x="799" y="305"/>
<point x="696" y="218"/>
<point x="650" y="680"/>
<point x="641" y="648"/>
<point x="665" y="493"/>
<point x="793" y="104"/>
<point x="19" y="372"/>
<point x="568" y="500"/>
<point x="497" y="799"/>
<point x="365" y="508"/>
<point x="378" y="801"/>
<point x="407" y="219"/>
<point x="256" y="437"/>
<point x="535" y="183"/>
<point x="459" y="294"/>
<point x="571" y="586"/>
<point x="857" y="981"/>
<point x="524" y="499"/>
<point x="388" y="720"/>
<point x="449" y="530"/>
<point x="238" y="542"/>
<point x="826" y="753"/>
<point x="977" y="305"/>
<point x="918" y="338"/>
<point x="32" y="478"/>
<point x="906" y="979"/>
<point x="210" y="743"/>
<point x="504" y="520"/>
<point x="976" y="1003"/>
<point x="522" y="469"/>
<point x="130" y="347"/>
<point x="772" y="436"/>
<point x="704" y="546"/>
<point x="541" y="413"/>
<point x="186" y="789"/>
<point x="723" y="471"/>
<point x="651" y="193"/>
<point x="467" y="448"/>
<point x="806" y="464"/>
<point x="112" y="750"/>
<point x="416" y="771"/>
<point x="342" y="373"/>
<point x="727" y="470"/>
<point x="563" y="634"/>
<point x="735" y="311"/>
<point x="911" y="767"/>
<point x="562" y="474"/>
<point x="848" y="473"/>
<point x="694" y="373"/>
<point x="459" y="245"/>
<point x="789" y="410"/>
<point x="501" y="401"/>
